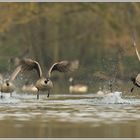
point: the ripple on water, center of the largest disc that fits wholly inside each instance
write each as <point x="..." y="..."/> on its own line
<point x="110" y="108"/>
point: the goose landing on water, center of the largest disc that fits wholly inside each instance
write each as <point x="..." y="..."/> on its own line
<point x="45" y="83"/>
<point x="77" y="88"/>
<point x="7" y="86"/>
<point x="29" y="88"/>
<point x="136" y="79"/>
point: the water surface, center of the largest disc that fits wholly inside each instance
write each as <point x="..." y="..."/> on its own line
<point x="70" y="115"/>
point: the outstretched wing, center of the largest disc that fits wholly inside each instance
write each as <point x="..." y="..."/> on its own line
<point x="29" y="64"/>
<point x="64" y="66"/>
<point x="15" y="73"/>
<point x="137" y="53"/>
<point x="1" y="77"/>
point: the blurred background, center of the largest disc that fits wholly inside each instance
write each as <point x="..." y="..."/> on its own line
<point x="99" y="35"/>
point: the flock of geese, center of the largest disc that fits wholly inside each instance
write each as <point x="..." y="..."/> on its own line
<point x="44" y="83"/>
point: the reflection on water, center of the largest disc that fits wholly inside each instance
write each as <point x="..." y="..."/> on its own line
<point x="81" y="115"/>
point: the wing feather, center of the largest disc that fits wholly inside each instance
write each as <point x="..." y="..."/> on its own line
<point x="64" y="66"/>
<point x="15" y="73"/>
<point x="29" y="64"/>
<point x="138" y="55"/>
<point x="136" y="50"/>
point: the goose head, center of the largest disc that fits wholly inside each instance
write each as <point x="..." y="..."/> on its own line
<point x="7" y="87"/>
<point x="44" y="84"/>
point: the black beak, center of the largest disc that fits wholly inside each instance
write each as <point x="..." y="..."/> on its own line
<point x="46" y="81"/>
<point x="48" y="95"/>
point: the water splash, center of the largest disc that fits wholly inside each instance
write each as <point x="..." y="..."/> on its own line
<point x="6" y="99"/>
<point x="70" y="108"/>
<point x="114" y="98"/>
<point x="105" y="97"/>
<point x="111" y="98"/>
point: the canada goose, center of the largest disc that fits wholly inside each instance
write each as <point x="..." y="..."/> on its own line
<point x="7" y="86"/>
<point x="136" y="79"/>
<point x="44" y="83"/>
<point x="29" y="88"/>
<point x="77" y="88"/>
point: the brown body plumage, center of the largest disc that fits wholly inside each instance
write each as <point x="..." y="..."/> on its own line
<point x="7" y="86"/>
<point x="29" y="88"/>
<point x="136" y="79"/>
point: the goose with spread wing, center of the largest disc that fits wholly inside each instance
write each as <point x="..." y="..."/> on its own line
<point x="7" y="85"/>
<point x="45" y="83"/>
<point x="136" y="79"/>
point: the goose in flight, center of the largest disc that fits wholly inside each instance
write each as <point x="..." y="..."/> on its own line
<point x="136" y="79"/>
<point x="7" y="86"/>
<point x="44" y="83"/>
